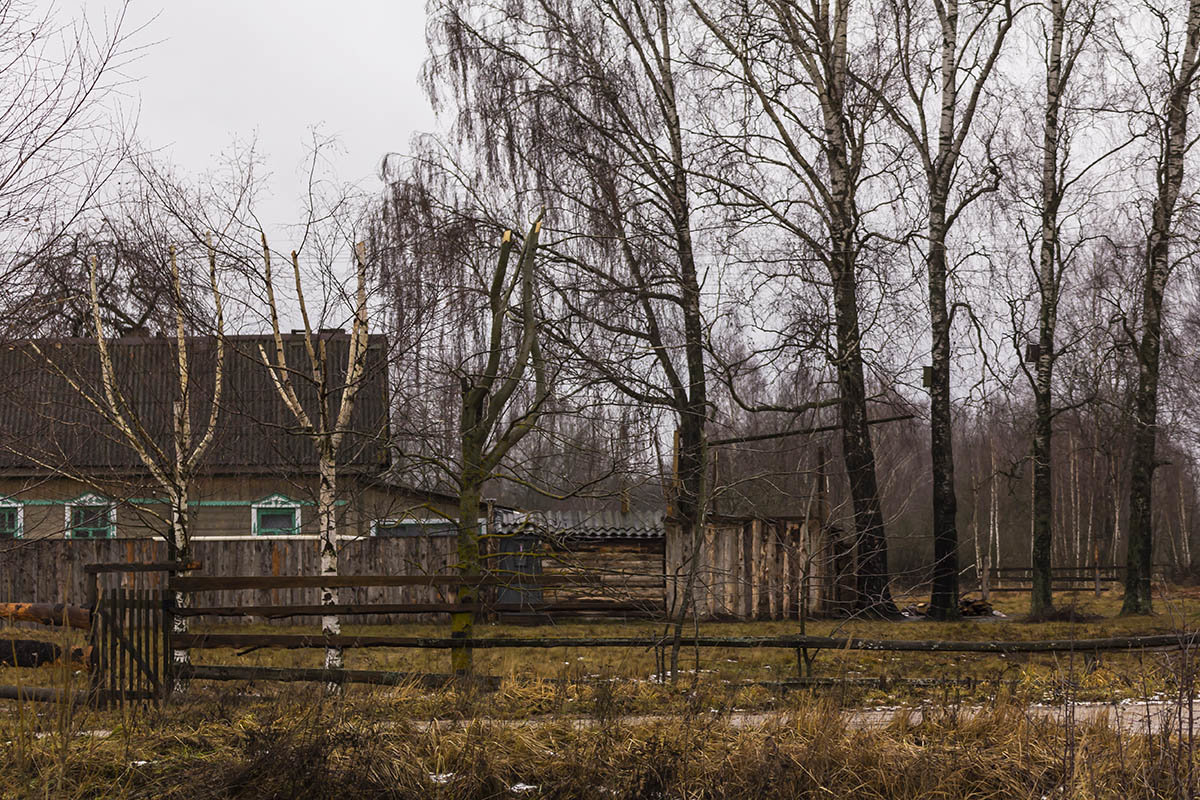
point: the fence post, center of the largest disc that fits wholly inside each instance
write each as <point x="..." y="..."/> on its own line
<point x="168" y="630"/>
<point x="94" y="649"/>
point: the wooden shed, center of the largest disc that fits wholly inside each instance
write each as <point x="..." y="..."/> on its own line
<point x="620" y="553"/>
<point x="761" y="568"/>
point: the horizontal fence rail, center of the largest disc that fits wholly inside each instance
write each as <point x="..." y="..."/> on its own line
<point x="804" y="646"/>
<point x="360" y="609"/>
<point x="319" y="675"/>
<point x="209" y="584"/>
<point x="294" y="641"/>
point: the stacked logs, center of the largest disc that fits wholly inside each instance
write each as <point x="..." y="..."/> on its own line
<point x="34" y="652"/>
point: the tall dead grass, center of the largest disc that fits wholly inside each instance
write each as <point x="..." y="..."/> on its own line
<point x="303" y="745"/>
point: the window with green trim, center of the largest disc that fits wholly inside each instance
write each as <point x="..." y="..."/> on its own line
<point x="92" y="521"/>
<point x="10" y="522"/>
<point x="276" y="521"/>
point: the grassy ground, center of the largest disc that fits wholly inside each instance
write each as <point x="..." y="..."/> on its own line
<point x="269" y="740"/>
<point x="1034" y="677"/>
<point x="1113" y="676"/>
<point x="298" y="744"/>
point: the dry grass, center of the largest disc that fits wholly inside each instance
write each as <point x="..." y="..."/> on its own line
<point x="302" y="745"/>
<point x="1114" y="676"/>
<point x="573" y="723"/>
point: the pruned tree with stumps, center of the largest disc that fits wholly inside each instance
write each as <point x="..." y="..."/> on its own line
<point x="173" y="464"/>
<point x="326" y="421"/>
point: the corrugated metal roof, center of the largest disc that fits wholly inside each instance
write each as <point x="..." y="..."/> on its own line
<point x="45" y="422"/>
<point x="584" y="524"/>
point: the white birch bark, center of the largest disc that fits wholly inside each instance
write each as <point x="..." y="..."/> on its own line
<point x="328" y="429"/>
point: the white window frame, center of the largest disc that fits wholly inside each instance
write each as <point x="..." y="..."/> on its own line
<point x="375" y="523"/>
<point x="12" y="502"/>
<point x="89" y="500"/>
<point x="275" y="501"/>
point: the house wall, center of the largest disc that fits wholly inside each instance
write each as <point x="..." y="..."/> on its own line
<point x="221" y="506"/>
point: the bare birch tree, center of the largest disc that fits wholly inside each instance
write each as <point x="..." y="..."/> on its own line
<point x="486" y="400"/>
<point x="1063" y="158"/>
<point x="173" y="465"/>
<point x="593" y="101"/>
<point x="439" y="270"/>
<point x="794" y="61"/>
<point x="327" y="421"/>
<point x="946" y="54"/>
<point x="1168" y="129"/>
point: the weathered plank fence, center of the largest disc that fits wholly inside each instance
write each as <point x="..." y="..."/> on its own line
<point x="1019" y="579"/>
<point x="803" y="646"/>
<point x="745" y="569"/>
<point x="54" y="570"/>
<point x="778" y="568"/>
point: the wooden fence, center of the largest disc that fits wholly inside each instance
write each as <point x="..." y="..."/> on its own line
<point x="54" y="570"/>
<point x="804" y="646"/>
<point x="762" y="569"/>
<point x="132" y="635"/>
<point x="746" y="569"/>
<point x="1019" y="579"/>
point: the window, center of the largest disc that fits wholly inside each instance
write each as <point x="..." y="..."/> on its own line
<point x="273" y="521"/>
<point x="413" y="527"/>
<point x="276" y="515"/>
<point x="11" y="519"/>
<point x="91" y="517"/>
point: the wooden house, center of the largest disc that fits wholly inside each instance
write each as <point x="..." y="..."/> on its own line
<point x="72" y="491"/>
<point x="66" y="473"/>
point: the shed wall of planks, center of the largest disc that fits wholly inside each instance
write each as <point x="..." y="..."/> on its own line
<point x="759" y="569"/>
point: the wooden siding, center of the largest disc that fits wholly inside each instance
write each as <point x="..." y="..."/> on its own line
<point x="51" y="570"/>
<point x="222" y="506"/>
<point x="759" y="569"/>
<point x="631" y="570"/>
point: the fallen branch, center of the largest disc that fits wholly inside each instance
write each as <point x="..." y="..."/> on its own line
<point x="47" y="614"/>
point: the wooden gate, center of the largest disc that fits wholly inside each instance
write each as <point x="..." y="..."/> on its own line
<point x="130" y="634"/>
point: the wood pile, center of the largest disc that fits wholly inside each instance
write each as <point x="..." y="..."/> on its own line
<point x="967" y="607"/>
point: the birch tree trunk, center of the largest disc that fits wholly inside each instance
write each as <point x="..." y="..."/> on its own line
<point x="1139" y="556"/>
<point x="327" y="522"/>
<point x="179" y="550"/>
<point x="1090" y="549"/>
<point x="993" y="506"/>
<point x="692" y="503"/>
<point x="1185" y="542"/>
<point x="329" y="428"/>
<point x="1114" y="481"/>
<point x="462" y="623"/>
<point x="943" y="602"/>
<point x="1041" y="599"/>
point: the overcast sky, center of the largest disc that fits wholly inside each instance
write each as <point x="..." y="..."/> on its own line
<point x="223" y="70"/>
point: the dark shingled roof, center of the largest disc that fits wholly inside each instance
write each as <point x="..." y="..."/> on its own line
<point x="45" y="424"/>
<point x="584" y="524"/>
